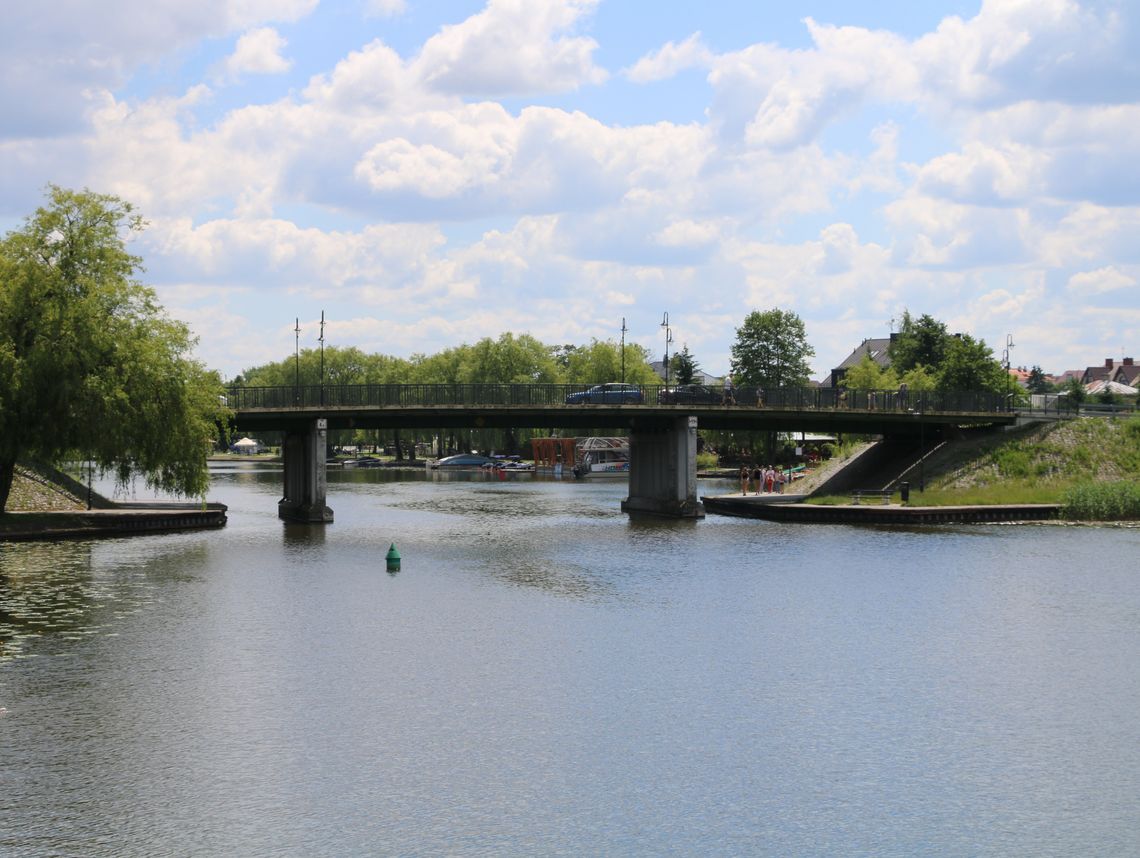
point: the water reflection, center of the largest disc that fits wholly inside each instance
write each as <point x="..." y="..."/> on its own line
<point x="69" y="590"/>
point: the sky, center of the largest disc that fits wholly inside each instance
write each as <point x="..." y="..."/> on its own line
<point x="428" y="174"/>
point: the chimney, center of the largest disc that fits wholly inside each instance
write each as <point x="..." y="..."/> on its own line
<point x="1128" y="361"/>
<point x="1108" y="363"/>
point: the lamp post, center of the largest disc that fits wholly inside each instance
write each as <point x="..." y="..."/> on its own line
<point x="1008" y="380"/>
<point x="623" y="330"/>
<point x="297" y="362"/>
<point x="668" y="339"/>
<point x="321" y="340"/>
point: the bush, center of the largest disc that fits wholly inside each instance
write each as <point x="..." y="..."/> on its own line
<point x="707" y="461"/>
<point x="1103" y="502"/>
<point x="1012" y="461"/>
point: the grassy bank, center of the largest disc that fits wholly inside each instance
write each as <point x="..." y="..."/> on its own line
<point x="1091" y="466"/>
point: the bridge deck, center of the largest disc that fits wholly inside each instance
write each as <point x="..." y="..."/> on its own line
<point x="546" y="406"/>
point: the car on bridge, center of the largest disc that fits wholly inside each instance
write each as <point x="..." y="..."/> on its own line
<point x="691" y="394"/>
<point x="606" y="394"/>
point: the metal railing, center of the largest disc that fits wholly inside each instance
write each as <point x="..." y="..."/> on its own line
<point x="311" y="397"/>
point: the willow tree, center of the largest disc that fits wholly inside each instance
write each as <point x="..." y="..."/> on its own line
<point x="90" y="365"/>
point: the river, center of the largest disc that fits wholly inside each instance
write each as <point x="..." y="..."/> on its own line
<point x="546" y="676"/>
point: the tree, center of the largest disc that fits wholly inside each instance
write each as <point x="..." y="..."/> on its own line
<point x="600" y="362"/>
<point x="969" y="364"/>
<point x="868" y="375"/>
<point x="684" y="366"/>
<point x="921" y="342"/>
<point x="1037" y="383"/>
<point x="90" y="364"/>
<point x="771" y="350"/>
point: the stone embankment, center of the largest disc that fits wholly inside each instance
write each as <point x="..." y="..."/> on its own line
<point x="47" y="504"/>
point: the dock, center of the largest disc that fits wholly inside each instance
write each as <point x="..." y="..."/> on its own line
<point x="790" y="508"/>
<point x="125" y="519"/>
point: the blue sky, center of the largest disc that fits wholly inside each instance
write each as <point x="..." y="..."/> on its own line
<point x="429" y="174"/>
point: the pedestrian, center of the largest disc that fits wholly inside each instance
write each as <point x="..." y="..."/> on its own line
<point x="729" y="394"/>
<point x="770" y="479"/>
<point x="758" y="478"/>
<point x="780" y="480"/>
<point x="744" y="473"/>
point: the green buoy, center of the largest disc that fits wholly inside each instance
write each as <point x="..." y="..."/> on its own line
<point x="393" y="558"/>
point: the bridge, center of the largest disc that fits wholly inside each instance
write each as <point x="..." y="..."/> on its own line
<point x="661" y="423"/>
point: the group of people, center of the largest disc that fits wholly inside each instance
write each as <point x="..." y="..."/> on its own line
<point x="766" y="480"/>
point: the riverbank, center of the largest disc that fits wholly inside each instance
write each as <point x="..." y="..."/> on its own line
<point x="46" y="504"/>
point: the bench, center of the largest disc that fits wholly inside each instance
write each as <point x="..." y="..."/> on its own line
<point x="882" y="496"/>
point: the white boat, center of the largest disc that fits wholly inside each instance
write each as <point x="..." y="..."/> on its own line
<point x="601" y="456"/>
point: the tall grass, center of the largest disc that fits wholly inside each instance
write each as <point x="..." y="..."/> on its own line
<point x="1102" y="501"/>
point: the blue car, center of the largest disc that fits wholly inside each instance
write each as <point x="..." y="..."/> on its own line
<point x="606" y="394"/>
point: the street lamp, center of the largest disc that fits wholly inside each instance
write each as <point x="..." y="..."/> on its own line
<point x="321" y="340"/>
<point x="297" y="362"/>
<point x="623" y="330"/>
<point x="668" y="339"/>
<point x="1008" y="378"/>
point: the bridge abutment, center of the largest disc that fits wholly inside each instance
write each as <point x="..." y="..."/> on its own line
<point x="305" y="478"/>
<point x="663" y="470"/>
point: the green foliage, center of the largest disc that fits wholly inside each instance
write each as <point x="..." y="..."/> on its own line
<point x="707" y="461"/>
<point x="600" y="362"/>
<point x="1036" y="382"/>
<point x="1114" y="501"/>
<point x="771" y="350"/>
<point x="868" y="375"/>
<point x="920" y="342"/>
<point x="683" y="366"/>
<point x="1075" y="391"/>
<point x="1132" y="428"/>
<point x="969" y="364"/>
<point x="90" y="364"/>
<point x="1012" y="461"/>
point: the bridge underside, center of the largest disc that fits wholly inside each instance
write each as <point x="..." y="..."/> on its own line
<point x="635" y="418"/>
<point x="663" y="445"/>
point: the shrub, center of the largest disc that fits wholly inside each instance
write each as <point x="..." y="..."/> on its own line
<point x="707" y="461"/>
<point x="1012" y="461"/>
<point x="1132" y="428"/>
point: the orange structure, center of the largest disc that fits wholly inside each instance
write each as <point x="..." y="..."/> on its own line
<point x="549" y="452"/>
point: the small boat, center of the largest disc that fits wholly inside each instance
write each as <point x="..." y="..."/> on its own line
<point x="601" y="457"/>
<point x="362" y="462"/>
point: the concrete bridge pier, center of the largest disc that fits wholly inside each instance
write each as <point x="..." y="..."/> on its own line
<point x="306" y="481"/>
<point x="663" y="470"/>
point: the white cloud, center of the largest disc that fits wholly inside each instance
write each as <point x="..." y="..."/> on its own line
<point x="512" y="48"/>
<point x="60" y="57"/>
<point x="670" y="59"/>
<point x="1107" y="279"/>
<point x="257" y="52"/>
<point x="386" y="8"/>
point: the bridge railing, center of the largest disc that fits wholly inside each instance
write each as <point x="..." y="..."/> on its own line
<point x="309" y="397"/>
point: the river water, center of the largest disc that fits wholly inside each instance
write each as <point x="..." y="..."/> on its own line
<point x="546" y="676"/>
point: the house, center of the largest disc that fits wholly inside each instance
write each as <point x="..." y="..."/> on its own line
<point x="876" y="348"/>
<point x="1099" y="373"/>
<point x="1127" y="373"/>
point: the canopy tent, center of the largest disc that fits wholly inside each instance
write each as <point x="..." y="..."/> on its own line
<point x="246" y="445"/>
